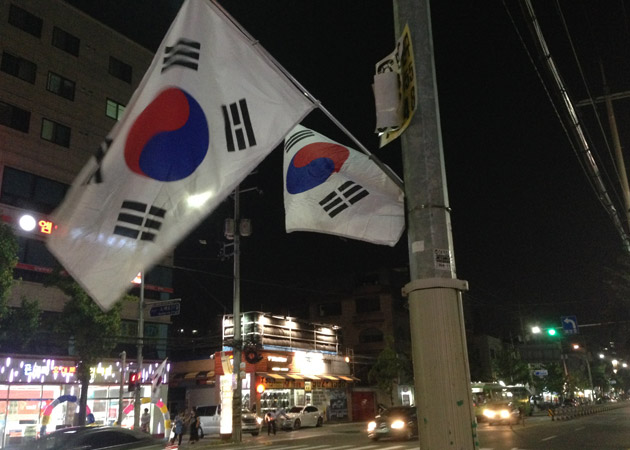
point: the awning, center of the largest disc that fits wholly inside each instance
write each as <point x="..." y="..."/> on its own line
<point x="276" y="376"/>
<point x="346" y="378"/>
<point x="295" y="376"/>
<point x="311" y="377"/>
<point x="329" y="377"/>
<point x="195" y="375"/>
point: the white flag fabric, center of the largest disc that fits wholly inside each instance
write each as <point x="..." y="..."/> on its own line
<point x="333" y="189"/>
<point x="157" y="380"/>
<point x="209" y="109"/>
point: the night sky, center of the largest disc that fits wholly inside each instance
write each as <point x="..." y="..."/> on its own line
<point x="530" y="235"/>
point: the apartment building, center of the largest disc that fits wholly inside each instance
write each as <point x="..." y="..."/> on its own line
<point x="65" y="79"/>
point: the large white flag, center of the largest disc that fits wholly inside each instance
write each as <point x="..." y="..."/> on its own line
<point x="330" y="188"/>
<point x="207" y="112"/>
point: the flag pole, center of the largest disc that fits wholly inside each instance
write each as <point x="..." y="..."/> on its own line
<point x="388" y="171"/>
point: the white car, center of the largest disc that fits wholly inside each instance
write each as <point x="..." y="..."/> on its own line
<point x="210" y="421"/>
<point x="303" y="416"/>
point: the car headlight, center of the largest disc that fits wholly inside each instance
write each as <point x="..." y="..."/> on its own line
<point x="398" y="424"/>
<point x="259" y="420"/>
<point x="371" y="426"/>
<point x="504" y="413"/>
<point x="490" y="414"/>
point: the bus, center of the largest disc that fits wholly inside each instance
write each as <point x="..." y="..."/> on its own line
<point x="485" y="394"/>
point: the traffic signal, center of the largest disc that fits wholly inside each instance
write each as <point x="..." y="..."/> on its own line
<point x="552" y="332"/>
<point x="252" y="355"/>
<point x="134" y="381"/>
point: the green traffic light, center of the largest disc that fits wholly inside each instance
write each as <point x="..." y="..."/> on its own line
<point x="551" y="331"/>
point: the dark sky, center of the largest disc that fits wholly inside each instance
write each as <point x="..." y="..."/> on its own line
<point x="530" y="235"/>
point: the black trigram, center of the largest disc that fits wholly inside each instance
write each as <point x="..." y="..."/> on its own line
<point x="297" y="137"/>
<point x="343" y="197"/>
<point x="238" y="126"/>
<point x="96" y="177"/>
<point x="139" y="221"/>
<point x="184" y="53"/>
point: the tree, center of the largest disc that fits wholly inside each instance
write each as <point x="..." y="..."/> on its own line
<point x="8" y="260"/>
<point x="510" y="368"/>
<point x="554" y="381"/>
<point x="90" y="330"/>
<point x="389" y="369"/>
<point x="17" y="325"/>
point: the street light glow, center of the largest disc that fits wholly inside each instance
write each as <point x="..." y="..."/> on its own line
<point x="536" y="330"/>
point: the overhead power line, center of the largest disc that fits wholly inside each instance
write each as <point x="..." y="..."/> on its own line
<point x="574" y="127"/>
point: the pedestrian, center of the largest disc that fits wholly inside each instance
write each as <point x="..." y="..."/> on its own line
<point x="145" y="419"/>
<point x="194" y="427"/>
<point x="281" y="413"/>
<point x="179" y="429"/>
<point x="270" y="418"/>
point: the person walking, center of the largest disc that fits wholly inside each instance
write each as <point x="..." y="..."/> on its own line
<point x="179" y="429"/>
<point x="145" y="419"/>
<point x="194" y="427"/>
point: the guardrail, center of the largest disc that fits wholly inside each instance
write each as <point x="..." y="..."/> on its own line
<point x="571" y="412"/>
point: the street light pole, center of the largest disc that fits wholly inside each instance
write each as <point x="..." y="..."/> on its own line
<point x="123" y="362"/>
<point x="236" y="311"/>
<point x="137" y="407"/>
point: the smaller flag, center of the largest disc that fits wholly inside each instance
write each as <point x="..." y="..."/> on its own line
<point x="333" y="189"/>
<point x="157" y="380"/>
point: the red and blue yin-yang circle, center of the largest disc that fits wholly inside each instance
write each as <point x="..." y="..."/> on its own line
<point x="313" y="164"/>
<point x="169" y="139"/>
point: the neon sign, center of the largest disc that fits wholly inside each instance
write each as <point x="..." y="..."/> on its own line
<point x="45" y="226"/>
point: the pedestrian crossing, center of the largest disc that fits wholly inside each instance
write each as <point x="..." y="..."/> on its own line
<point x="379" y="446"/>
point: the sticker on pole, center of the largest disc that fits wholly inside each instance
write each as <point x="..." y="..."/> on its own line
<point x="442" y="259"/>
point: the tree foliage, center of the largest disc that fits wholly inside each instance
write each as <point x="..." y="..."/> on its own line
<point x="389" y="369"/>
<point x="510" y="368"/>
<point x="18" y="326"/>
<point x="90" y="332"/>
<point x="8" y="260"/>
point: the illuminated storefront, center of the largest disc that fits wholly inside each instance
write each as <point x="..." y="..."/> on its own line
<point x="40" y="395"/>
<point x="294" y="378"/>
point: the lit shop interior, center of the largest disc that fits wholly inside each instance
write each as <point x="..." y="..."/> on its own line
<point x="299" y="364"/>
<point x="41" y="395"/>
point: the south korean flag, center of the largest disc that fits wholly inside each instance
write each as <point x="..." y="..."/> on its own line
<point x="330" y="188"/>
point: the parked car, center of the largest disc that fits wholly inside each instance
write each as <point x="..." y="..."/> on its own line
<point x="210" y="421"/>
<point x="302" y="416"/>
<point x="250" y="422"/>
<point x="399" y="422"/>
<point x="96" y="437"/>
<point x="502" y="413"/>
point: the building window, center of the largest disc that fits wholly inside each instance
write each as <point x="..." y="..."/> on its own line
<point x="55" y="132"/>
<point x="25" y="21"/>
<point x="29" y="191"/>
<point x="119" y="69"/>
<point x="14" y="117"/>
<point x="330" y="309"/>
<point x="18" y="67"/>
<point x="60" y="86"/>
<point x="370" y="335"/>
<point x="367" y="304"/>
<point x="65" y="41"/>
<point x="114" y="109"/>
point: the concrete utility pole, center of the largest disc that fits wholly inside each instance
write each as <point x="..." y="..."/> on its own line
<point x="440" y="359"/>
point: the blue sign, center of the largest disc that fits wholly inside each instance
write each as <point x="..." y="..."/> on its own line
<point x="569" y="324"/>
<point x="169" y="309"/>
